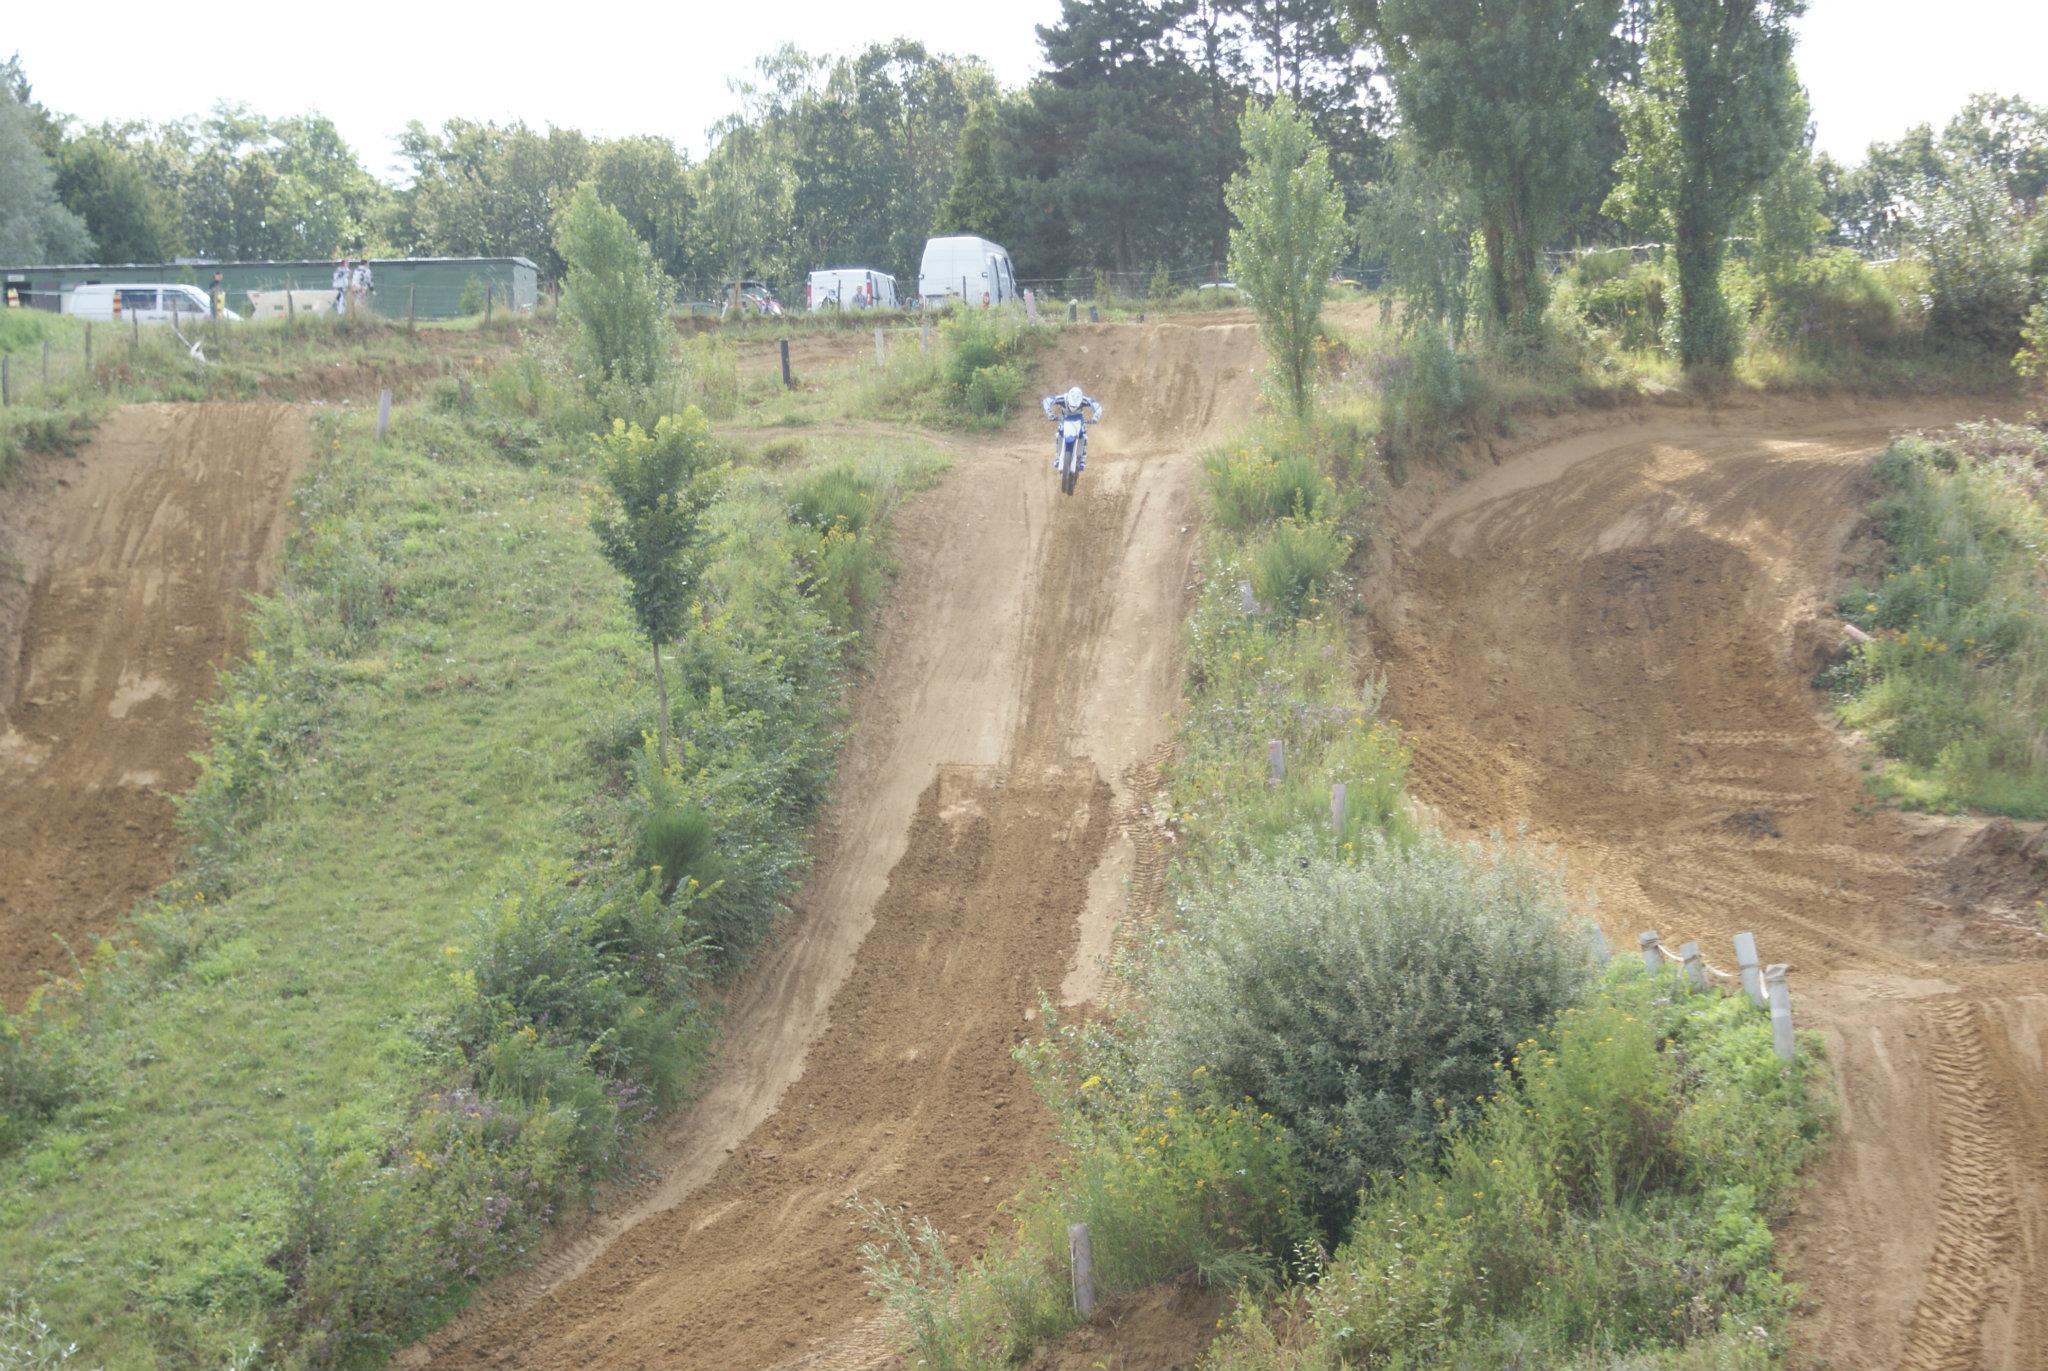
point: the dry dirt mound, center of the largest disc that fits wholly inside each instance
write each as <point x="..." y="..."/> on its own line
<point x="1602" y="639"/>
<point x="135" y="558"/>
<point x="988" y="829"/>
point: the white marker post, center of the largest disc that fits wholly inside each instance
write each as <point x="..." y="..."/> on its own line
<point x="383" y="414"/>
<point x="1695" y="965"/>
<point x="1781" y="1010"/>
<point x="1082" y="1258"/>
<point x="1337" y="798"/>
<point x="1276" y="760"/>
<point x="1752" y="969"/>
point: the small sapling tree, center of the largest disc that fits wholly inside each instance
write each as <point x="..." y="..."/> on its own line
<point x="1289" y="230"/>
<point x="614" y="292"/>
<point x="649" y="521"/>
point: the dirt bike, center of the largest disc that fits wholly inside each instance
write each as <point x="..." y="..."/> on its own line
<point x="1072" y="448"/>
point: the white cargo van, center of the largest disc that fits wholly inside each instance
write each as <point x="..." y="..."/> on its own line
<point x="970" y="269"/>
<point x="850" y="288"/>
<point x="152" y="304"/>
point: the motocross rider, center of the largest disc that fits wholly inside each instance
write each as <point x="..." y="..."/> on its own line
<point x="1070" y="403"/>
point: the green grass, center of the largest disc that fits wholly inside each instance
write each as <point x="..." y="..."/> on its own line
<point x="1953" y="691"/>
<point x="436" y="727"/>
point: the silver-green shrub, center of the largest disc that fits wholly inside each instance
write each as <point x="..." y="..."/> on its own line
<point x="1362" y="1003"/>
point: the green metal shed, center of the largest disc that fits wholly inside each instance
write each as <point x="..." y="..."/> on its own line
<point x="433" y="285"/>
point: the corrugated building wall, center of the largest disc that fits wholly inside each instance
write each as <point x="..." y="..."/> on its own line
<point x="436" y="284"/>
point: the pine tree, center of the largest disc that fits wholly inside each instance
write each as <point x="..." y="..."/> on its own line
<point x="979" y="200"/>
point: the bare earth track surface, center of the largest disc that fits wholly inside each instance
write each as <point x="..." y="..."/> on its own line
<point x="989" y="829"/>
<point x="1601" y="639"/>
<point x="129" y="567"/>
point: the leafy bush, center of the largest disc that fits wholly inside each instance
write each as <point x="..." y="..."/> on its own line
<point x="471" y="301"/>
<point x="1975" y="247"/>
<point x="43" y="1067"/>
<point x="1363" y="1003"/>
<point x="1427" y="394"/>
<point x="1629" y="300"/>
<point x="1830" y="302"/>
<point x="1298" y="562"/>
<point x="1611" y="1195"/>
<point x="979" y="372"/>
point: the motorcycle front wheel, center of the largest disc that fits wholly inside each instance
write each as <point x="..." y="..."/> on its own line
<point x="1067" y="480"/>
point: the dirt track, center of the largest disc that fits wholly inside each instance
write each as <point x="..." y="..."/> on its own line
<point x="135" y="559"/>
<point x="985" y="834"/>
<point x="1599" y="638"/>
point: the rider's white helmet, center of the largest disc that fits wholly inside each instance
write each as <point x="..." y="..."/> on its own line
<point x="1074" y="398"/>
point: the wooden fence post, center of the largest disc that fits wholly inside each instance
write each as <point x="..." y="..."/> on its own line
<point x="135" y="343"/>
<point x="88" y="346"/>
<point x="6" y="380"/>
<point x="1337" y="796"/>
<point x="490" y="296"/>
<point x="1653" y="960"/>
<point x="46" y="364"/>
<point x="924" y="333"/>
<point x="1081" y="1257"/>
<point x="788" y="382"/>
<point x="410" y="290"/>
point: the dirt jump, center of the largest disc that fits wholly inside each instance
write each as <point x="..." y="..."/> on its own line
<point x="133" y="563"/>
<point x="1609" y="639"/>
<point x="989" y="829"/>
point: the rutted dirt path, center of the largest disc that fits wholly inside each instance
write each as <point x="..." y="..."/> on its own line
<point x="134" y="560"/>
<point x="1601" y="639"/>
<point x="985" y="831"/>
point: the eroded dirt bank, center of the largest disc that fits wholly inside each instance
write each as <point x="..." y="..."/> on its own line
<point x="1601" y="638"/>
<point x="983" y="840"/>
<point x="135" y="560"/>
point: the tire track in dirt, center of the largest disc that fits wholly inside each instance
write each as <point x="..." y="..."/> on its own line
<point x="1976" y="1200"/>
<point x="138" y="555"/>
<point x="986" y="837"/>
<point x="1599" y="639"/>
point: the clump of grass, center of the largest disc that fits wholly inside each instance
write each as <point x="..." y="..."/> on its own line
<point x="1296" y="563"/>
<point x="1954" y="688"/>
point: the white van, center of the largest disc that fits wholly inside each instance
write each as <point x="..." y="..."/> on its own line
<point x="850" y="288"/>
<point x="970" y="269"/>
<point x="152" y="304"/>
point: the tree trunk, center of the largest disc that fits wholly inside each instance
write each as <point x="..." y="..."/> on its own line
<point x="1497" y="270"/>
<point x="1706" y="336"/>
<point x="662" y="722"/>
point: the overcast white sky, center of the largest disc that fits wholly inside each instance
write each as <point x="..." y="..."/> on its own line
<point x="1873" y="67"/>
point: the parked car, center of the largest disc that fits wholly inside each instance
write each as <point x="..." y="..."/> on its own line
<point x="970" y="269"/>
<point x="850" y="288"/>
<point x="161" y="303"/>
<point x="755" y="297"/>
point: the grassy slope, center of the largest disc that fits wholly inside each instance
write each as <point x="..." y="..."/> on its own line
<point x="457" y="743"/>
<point x="452" y="745"/>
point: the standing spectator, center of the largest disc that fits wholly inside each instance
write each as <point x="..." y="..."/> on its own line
<point x="341" y="280"/>
<point x="363" y="285"/>
<point x="218" y="297"/>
